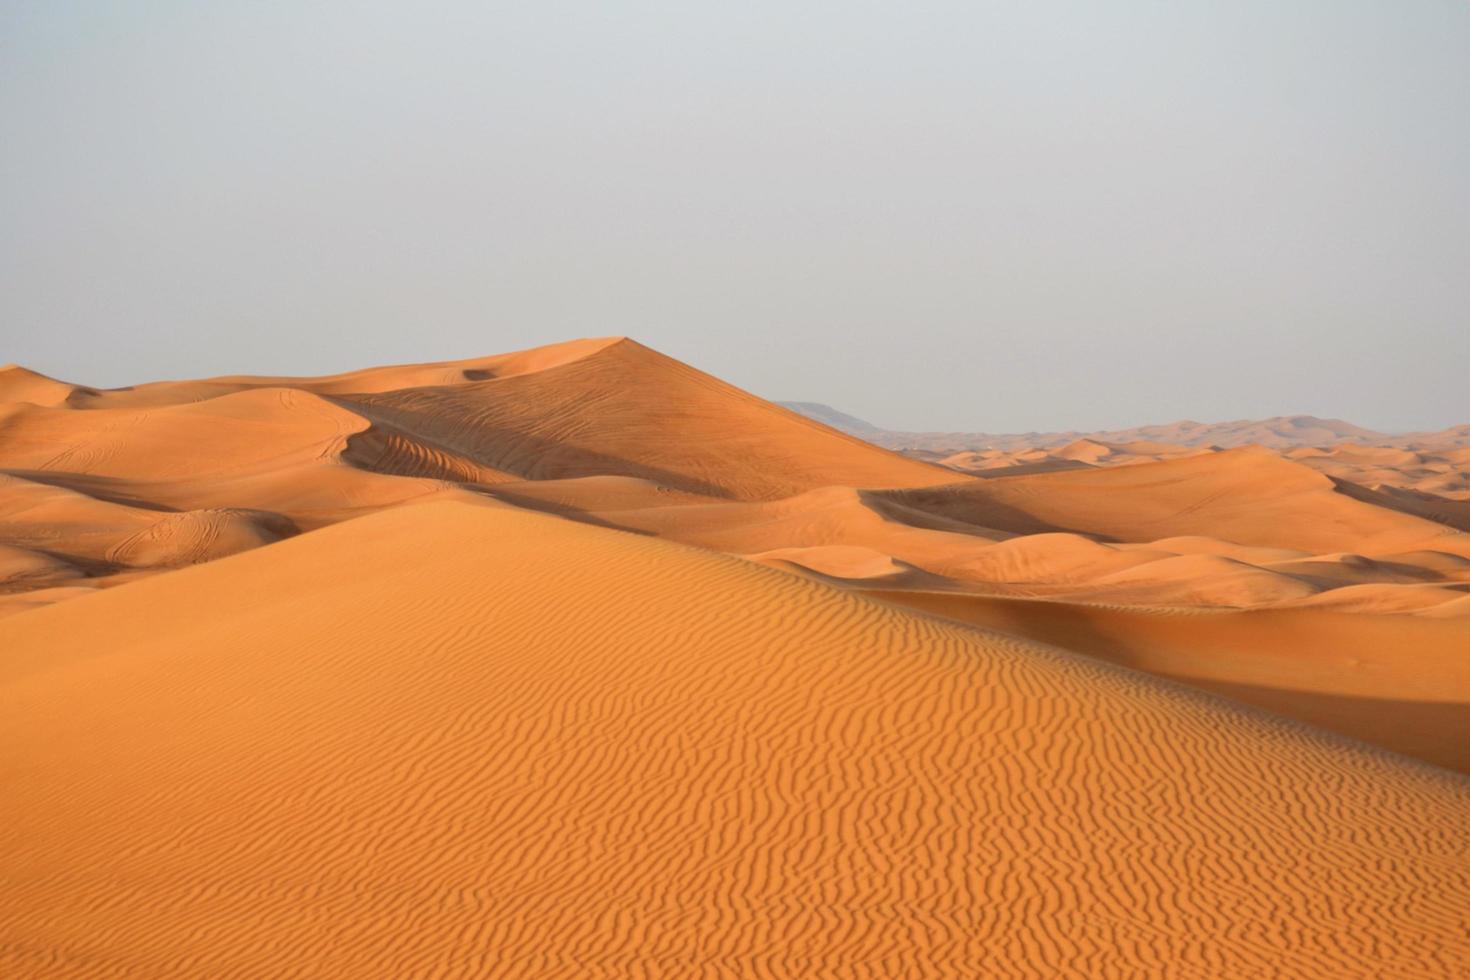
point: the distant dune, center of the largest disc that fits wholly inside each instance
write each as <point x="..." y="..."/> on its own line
<point x="1279" y="432"/>
<point x="579" y="661"/>
<point x="1246" y="496"/>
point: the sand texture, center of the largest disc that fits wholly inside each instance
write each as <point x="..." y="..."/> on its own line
<point x="578" y="661"/>
<point x="547" y="749"/>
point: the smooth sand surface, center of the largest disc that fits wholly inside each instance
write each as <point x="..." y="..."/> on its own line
<point x="507" y="744"/>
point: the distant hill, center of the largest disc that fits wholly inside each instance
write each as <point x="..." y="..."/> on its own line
<point x="1281" y="432"/>
<point x="828" y="415"/>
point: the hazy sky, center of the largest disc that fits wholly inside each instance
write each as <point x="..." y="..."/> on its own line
<point x="1025" y="215"/>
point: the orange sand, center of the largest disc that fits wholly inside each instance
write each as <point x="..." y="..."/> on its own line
<point x="580" y="662"/>
<point x="510" y="745"/>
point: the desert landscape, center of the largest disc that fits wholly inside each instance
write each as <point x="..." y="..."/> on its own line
<point x="411" y="564"/>
<point x="579" y="661"/>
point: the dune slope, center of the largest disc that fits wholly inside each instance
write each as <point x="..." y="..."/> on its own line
<point x="506" y="744"/>
<point x="1398" y="681"/>
<point x="627" y="410"/>
<point x="1247" y="496"/>
<point x="294" y="454"/>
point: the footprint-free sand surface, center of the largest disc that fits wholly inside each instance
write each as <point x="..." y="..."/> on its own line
<point x="512" y="745"/>
<point x="580" y="662"/>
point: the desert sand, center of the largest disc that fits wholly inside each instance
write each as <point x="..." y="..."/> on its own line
<point x="581" y="662"/>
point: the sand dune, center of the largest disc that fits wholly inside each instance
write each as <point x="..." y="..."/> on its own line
<point x="1283" y="431"/>
<point x="1080" y="454"/>
<point x="20" y="385"/>
<point x="826" y="517"/>
<point x="165" y="474"/>
<point x="1436" y="463"/>
<point x="847" y="564"/>
<point x="1457" y="436"/>
<point x="515" y="745"/>
<point x="17" y="385"/>
<point x="1442" y="510"/>
<point x="627" y="410"/>
<point x="597" y="407"/>
<point x="1398" y="681"/>
<point x="21" y="568"/>
<point x="525" y="702"/>
<point x="609" y="432"/>
<point x="1053" y="558"/>
<point x="1206" y="580"/>
<point x="1379" y="598"/>
<point x="239" y="431"/>
<point x="1249" y="497"/>
<point x="69" y="534"/>
<point x="273" y="450"/>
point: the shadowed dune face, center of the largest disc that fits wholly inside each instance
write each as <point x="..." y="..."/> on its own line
<point x="510" y="744"/>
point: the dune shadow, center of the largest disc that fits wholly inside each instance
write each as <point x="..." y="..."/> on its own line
<point x="1437" y="732"/>
<point x="516" y="451"/>
<point x="968" y="503"/>
<point x="104" y="488"/>
<point x="556" y="509"/>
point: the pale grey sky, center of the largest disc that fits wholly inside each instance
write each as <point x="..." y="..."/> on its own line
<point x="969" y="215"/>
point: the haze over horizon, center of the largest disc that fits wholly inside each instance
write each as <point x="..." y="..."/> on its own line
<point x="941" y="217"/>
